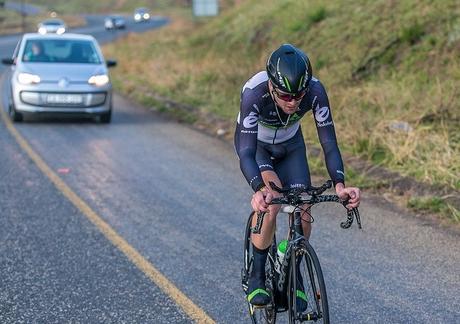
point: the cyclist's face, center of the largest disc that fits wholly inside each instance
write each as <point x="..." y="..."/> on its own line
<point x="287" y="102"/>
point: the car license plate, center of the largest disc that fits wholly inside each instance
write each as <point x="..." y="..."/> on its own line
<point x="64" y="99"/>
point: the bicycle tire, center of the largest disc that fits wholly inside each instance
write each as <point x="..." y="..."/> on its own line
<point x="314" y="288"/>
<point x="265" y="314"/>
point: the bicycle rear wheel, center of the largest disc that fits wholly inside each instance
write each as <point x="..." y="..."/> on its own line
<point x="265" y="314"/>
<point x="311" y="281"/>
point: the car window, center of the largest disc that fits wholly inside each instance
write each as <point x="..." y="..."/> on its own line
<point x="60" y="51"/>
<point x="53" y="22"/>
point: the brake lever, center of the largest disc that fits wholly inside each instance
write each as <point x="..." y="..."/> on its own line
<point x="358" y="218"/>
<point x="354" y="212"/>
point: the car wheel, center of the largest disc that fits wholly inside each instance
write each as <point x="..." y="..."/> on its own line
<point x="14" y="115"/>
<point x="106" y="118"/>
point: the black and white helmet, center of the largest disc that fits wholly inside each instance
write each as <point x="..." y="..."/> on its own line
<point x="289" y="69"/>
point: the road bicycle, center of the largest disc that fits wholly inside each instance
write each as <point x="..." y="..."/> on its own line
<point x="283" y="281"/>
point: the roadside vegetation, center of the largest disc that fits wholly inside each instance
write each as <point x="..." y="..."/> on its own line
<point x="392" y="71"/>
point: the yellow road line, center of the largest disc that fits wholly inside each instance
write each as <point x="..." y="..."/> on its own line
<point x="192" y="310"/>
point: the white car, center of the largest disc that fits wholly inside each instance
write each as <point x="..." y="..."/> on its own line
<point x="59" y="74"/>
<point x="48" y="26"/>
<point x="114" y="22"/>
<point x="141" y="14"/>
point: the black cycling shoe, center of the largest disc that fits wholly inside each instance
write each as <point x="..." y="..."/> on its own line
<point x="257" y="294"/>
<point x="301" y="300"/>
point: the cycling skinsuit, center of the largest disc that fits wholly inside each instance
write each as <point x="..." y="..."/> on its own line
<point x="268" y="139"/>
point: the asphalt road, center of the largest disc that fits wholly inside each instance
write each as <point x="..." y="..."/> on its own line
<point x="177" y="197"/>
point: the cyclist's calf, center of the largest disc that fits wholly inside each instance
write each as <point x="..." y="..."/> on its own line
<point x="264" y="239"/>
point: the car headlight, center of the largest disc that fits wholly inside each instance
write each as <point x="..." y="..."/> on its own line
<point x="27" y="78"/>
<point x="137" y="16"/>
<point x="146" y="16"/>
<point x="99" y="80"/>
<point x="42" y="30"/>
<point x="61" y="30"/>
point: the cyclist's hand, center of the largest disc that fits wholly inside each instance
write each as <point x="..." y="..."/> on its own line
<point x="353" y="195"/>
<point x="260" y="200"/>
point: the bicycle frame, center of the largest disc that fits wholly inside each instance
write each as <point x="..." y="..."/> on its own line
<point x="296" y="238"/>
<point x="298" y="244"/>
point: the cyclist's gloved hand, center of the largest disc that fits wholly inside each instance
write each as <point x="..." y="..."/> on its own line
<point x="261" y="199"/>
<point x="353" y="195"/>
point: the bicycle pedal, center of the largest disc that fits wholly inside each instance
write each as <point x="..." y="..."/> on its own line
<point x="308" y="316"/>
<point x="254" y="308"/>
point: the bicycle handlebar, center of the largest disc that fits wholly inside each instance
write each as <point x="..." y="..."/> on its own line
<point x="293" y="197"/>
<point x="311" y="190"/>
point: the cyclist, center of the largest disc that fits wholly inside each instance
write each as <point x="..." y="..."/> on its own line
<point x="270" y="146"/>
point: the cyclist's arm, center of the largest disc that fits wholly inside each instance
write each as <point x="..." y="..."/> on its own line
<point x="326" y="133"/>
<point x="246" y="141"/>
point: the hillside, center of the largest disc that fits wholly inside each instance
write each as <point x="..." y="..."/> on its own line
<point x="391" y="69"/>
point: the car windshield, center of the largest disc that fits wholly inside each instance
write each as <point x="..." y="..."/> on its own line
<point x="52" y="22"/>
<point x="60" y="51"/>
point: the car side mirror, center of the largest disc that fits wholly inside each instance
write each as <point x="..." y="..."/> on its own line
<point x="8" y="61"/>
<point x="111" y="63"/>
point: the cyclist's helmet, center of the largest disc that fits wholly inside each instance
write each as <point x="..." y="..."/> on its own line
<point x="289" y="69"/>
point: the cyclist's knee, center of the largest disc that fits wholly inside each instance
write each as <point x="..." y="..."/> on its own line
<point x="306" y="213"/>
<point x="270" y="218"/>
<point x="274" y="210"/>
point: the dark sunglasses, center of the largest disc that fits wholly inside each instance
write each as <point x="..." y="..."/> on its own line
<point x="288" y="96"/>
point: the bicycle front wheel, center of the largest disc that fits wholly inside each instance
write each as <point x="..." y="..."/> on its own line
<point x="306" y="289"/>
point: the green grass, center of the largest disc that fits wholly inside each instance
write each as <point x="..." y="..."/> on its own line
<point x="354" y="177"/>
<point x="413" y="34"/>
<point x="434" y="205"/>
<point x="317" y="15"/>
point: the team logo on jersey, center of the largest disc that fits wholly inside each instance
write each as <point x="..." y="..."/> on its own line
<point x="251" y="120"/>
<point x="321" y="114"/>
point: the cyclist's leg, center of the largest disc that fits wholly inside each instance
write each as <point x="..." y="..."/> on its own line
<point x="265" y="162"/>
<point x="293" y="171"/>
<point x="257" y="294"/>
<point x="265" y="238"/>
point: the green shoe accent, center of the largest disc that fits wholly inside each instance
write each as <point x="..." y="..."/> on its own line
<point x="255" y="292"/>
<point x="301" y="295"/>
